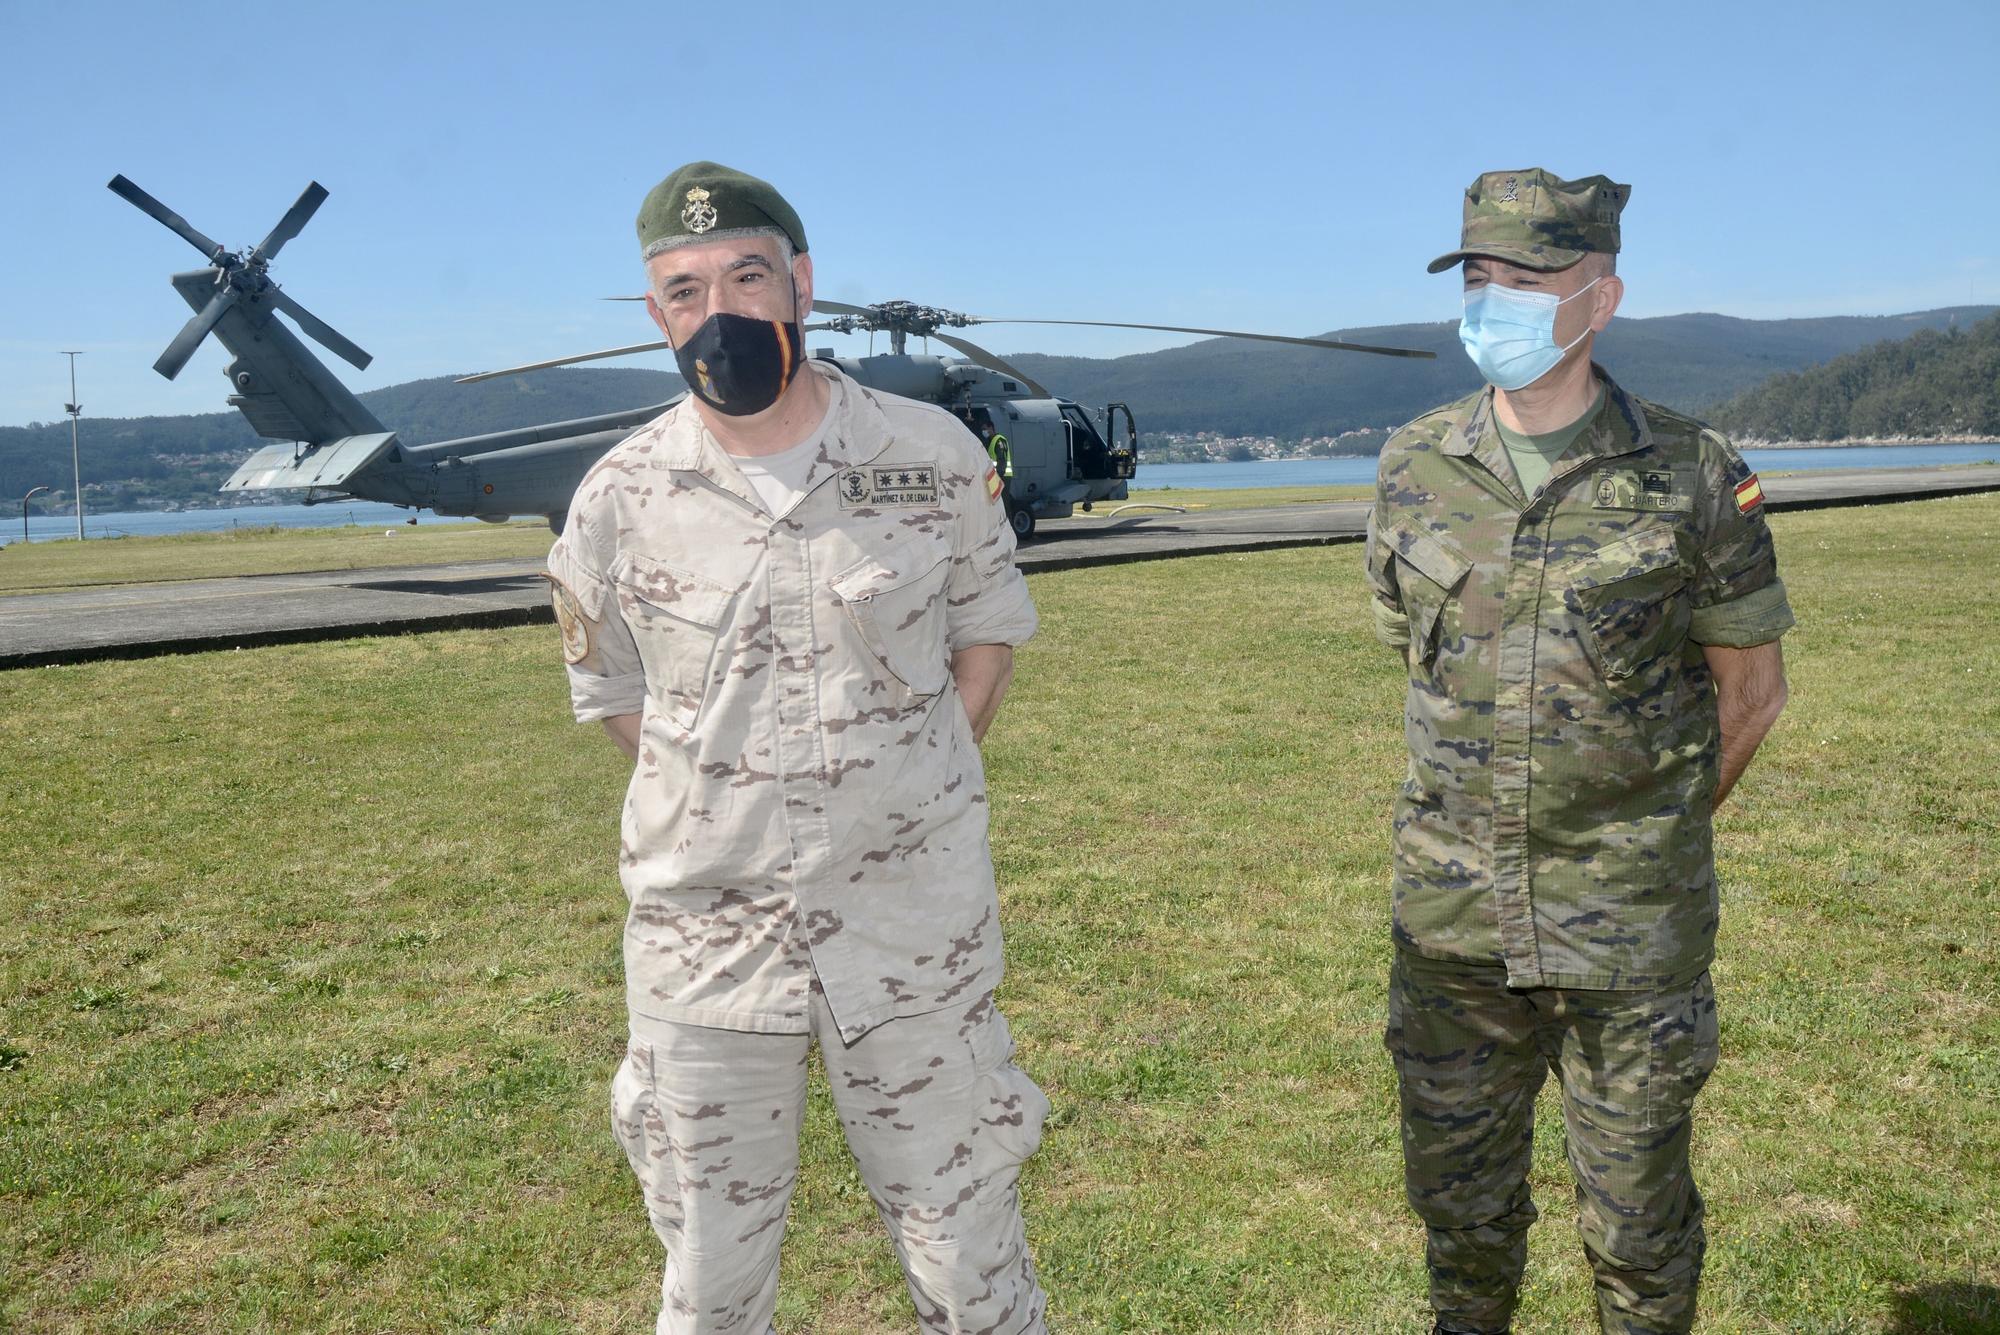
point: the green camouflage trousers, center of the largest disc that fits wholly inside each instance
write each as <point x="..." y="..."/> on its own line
<point x="939" y="1119"/>
<point x="1471" y="1055"/>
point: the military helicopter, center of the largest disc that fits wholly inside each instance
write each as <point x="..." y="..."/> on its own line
<point x="1054" y="453"/>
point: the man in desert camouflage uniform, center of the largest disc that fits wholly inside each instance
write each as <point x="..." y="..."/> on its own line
<point x="792" y="601"/>
<point x="1585" y="592"/>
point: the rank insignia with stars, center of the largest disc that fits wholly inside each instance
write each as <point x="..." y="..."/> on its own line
<point x="895" y="484"/>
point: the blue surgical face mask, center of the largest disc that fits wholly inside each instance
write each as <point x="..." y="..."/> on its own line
<point x="1511" y="335"/>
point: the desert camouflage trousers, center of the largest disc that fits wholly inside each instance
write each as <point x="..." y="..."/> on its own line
<point x="937" y="1116"/>
<point x="1471" y="1055"/>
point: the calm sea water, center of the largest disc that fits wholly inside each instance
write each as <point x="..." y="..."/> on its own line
<point x="146" y="523"/>
<point x="1152" y="477"/>
<point x="1349" y="472"/>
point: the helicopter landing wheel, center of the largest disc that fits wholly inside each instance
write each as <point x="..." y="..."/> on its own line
<point x="1022" y="521"/>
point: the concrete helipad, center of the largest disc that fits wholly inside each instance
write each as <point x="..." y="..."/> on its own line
<point x="132" y="621"/>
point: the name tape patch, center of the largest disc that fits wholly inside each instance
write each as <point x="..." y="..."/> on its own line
<point x="892" y="484"/>
<point x="1655" y="489"/>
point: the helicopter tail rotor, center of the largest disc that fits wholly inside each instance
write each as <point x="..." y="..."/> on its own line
<point x="294" y="221"/>
<point x="165" y="216"/>
<point x="193" y="332"/>
<point x="240" y="277"/>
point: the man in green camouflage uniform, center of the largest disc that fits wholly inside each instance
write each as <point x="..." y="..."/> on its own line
<point x="792" y="601"/>
<point x="1586" y="594"/>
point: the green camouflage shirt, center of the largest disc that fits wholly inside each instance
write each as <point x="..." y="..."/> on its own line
<point x="1561" y="717"/>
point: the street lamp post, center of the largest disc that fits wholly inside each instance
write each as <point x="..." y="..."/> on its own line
<point x="24" y="510"/>
<point x="75" y="461"/>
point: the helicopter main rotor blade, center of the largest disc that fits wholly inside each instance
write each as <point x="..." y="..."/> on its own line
<point x="985" y="358"/>
<point x="160" y="213"/>
<point x="563" y="361"/>
<point x="193" y="332"/>
<point x="292" y="223"/>
<point x="328" y="336"/>
<point x="1230" y="333"/>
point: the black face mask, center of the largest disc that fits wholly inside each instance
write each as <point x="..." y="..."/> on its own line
<point x="738" y="365"/>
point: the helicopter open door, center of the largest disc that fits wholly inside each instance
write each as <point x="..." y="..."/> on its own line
<point x="1125" y="454"/>
<point x="1090" y="458"/>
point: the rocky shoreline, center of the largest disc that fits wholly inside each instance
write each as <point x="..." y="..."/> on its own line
<point x="1859" y="442"/>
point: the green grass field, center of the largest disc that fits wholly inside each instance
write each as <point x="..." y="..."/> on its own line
<point x="45" y="567"/>
<point x="311" y="977"/>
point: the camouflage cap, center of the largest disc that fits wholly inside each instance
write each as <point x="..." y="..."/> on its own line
<point x="1537" y="220"/>
<point x="706" y="201"/>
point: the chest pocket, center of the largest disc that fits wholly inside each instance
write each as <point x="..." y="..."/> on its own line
<point x="896" y="601"/>
<point x="1427" y="574"/>
<point x="1631" y="596"/>
<point x="676" y="616"/>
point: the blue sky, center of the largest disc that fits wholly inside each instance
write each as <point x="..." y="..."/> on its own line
<point x="1288" y="167"/>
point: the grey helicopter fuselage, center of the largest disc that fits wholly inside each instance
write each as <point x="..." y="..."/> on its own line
<point x="1050" y="451"/>
<point x="1053" y="453"/>
<point x="335" y="449"/>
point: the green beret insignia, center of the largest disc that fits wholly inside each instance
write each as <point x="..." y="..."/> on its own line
<point x="699" y="215"/>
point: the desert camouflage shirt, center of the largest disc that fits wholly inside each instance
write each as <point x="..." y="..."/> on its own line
<point x="808" y="802"/>
<point x="1561" y="718"/>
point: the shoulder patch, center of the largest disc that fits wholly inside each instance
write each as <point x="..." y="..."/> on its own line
<point x="575" y="626"/>
<point x="1749" y="494"/>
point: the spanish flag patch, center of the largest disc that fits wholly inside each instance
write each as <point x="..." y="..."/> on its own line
<point x="1749" y="494"/>
<point x="992" y="483"/>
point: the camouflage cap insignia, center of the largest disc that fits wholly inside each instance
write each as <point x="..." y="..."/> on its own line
<point x="699" y="215"/>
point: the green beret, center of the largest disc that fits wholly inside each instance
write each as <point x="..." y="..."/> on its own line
<point x="1537" y="220"/>
<point x="706" y="201"/>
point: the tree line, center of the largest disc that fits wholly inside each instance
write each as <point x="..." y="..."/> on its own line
<point x="1931" y="384"/>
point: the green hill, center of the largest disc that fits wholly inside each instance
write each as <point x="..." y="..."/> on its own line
<point x="1690" y="362"/>
<point x="1929" y="385"/>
